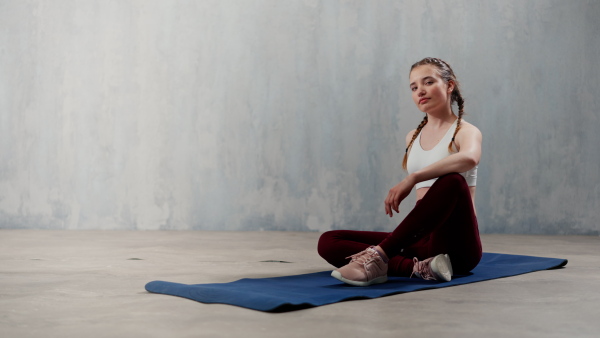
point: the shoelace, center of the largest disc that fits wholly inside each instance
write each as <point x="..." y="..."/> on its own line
<point x="363" y="257"/>
<point x="423" y="269"/>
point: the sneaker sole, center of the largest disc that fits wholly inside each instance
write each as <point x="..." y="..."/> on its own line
<point x="335" y="274"/>
<point x="441" y="267"/>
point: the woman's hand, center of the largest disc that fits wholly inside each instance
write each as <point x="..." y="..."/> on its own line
<point x="397" y="194"/>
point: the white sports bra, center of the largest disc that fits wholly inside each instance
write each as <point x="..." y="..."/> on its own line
<point x="419" y="158"/>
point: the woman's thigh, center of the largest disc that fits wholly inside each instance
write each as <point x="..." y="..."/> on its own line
<point x="337" y="245"/>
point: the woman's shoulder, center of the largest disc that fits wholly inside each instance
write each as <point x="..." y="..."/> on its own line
<point x="469" y="127"/>
<point x="468" y="134"/>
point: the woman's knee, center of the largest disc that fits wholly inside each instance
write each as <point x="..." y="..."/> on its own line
<point x="454" y="181"/>
<point x="453" y="177"/>
<point x="326" y="241"/>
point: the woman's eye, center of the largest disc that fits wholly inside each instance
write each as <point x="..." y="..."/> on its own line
<point x="429" y="82"/>
<point x="413" y="88"/>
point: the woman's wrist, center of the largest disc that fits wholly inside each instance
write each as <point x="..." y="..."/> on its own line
<point x="411" y="179"/>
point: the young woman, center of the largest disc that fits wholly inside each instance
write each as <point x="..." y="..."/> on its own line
<point x="441" y="158"/>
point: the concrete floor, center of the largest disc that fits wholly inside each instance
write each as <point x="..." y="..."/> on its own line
<point x="91" y="283"/>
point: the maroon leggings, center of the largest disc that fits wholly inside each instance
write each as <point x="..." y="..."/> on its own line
<point x="442" y="222"/>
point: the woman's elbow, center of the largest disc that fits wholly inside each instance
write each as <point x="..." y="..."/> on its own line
<point x="471" y="161"/>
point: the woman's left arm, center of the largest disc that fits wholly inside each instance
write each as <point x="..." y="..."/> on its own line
<point x="468" y="141"/>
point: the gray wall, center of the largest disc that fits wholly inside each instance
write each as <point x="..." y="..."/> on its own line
<point x="287" y="115"/>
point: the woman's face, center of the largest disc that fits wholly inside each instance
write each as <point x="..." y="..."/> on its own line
<point x="429" y="91"/>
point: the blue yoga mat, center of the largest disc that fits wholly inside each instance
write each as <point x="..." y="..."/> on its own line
<point x="288" y="293"/>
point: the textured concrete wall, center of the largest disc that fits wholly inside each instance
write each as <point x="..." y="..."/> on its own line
<point x="287" y="115"/>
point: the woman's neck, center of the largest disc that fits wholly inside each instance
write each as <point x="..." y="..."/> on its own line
<point x="439" y="120"/>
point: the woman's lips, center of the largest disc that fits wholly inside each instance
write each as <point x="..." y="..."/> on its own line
<point x="423" y="100"/>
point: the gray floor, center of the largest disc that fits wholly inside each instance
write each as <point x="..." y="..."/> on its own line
<point x="85" y="283"/>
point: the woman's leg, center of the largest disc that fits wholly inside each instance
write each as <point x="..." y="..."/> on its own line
<point x="337" y="245"/>
<point x="444" y="221"/>
<point x="334" y="246"/>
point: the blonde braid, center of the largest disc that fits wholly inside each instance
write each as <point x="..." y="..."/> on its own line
<point x="415" y="134"/>
<point x="461" y="107"/>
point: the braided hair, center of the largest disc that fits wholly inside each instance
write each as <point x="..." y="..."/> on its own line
<point x="446" y="73"/>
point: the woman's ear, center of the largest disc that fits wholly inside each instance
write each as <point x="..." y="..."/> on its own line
<point x="450" y="86"/>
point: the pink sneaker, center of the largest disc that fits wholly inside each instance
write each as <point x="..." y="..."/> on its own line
<point x="434" y="268"/>
<point x="366" y="268"/>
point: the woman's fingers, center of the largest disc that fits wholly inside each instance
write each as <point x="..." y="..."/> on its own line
<point x="391" y="203"/>
<point x="388" y="210"/>
<point x="395" y="206"/>
<point x="396" y="195"/>
<point x="386" y="203"/>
